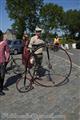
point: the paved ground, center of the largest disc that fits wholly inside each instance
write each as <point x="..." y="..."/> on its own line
<point x="57" y="103"/>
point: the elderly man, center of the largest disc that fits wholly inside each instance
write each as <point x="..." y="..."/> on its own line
<point x="35" y="42"/>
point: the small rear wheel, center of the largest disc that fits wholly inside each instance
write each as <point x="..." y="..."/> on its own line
<point x="24" y="84"/>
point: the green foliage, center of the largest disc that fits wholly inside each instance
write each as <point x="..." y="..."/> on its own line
<point x="47" y="37"/>
<point x="25" y="14"/>
<point x="72" y="22"/>
<point x="67" y="41"/>
<point x="51" y="16"/>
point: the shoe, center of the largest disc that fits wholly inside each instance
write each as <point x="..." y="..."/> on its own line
<point x="5" y="88"/>
<point x="2" y="93"/>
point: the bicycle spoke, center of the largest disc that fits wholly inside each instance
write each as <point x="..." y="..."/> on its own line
<point x="57" y="69"/>
<point x="24" y="84"/>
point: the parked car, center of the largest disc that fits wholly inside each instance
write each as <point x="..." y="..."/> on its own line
<point x="78" y="45"/>
<point x="15" y="46"/>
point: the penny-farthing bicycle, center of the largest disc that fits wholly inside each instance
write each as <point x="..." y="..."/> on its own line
<point x="54" y="71"/>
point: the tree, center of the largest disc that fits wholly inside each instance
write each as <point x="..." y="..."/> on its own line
<point x="51" y="16"/>
<point x="34" y="15"/>
<point x="72" y="22"/>
<point x="25" y="14"/>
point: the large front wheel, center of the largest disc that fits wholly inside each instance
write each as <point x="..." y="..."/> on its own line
<point x="56" y="68"/>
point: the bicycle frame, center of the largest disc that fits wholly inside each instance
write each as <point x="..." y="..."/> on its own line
<point x="33" y="54"/>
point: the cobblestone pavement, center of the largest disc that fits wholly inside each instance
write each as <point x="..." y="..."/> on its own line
<point x="56" y="103"/>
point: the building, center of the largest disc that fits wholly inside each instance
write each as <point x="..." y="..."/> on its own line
<point x="10" y="34"/>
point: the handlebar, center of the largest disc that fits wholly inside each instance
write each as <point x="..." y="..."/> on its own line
<point x="35" y="47"/>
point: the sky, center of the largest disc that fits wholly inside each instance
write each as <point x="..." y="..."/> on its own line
<point x="5" y="21"/>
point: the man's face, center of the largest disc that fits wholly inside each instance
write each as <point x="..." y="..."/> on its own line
<point x="38" y="33"/>
<point x="56" y="36"/>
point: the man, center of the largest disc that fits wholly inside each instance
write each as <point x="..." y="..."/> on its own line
<point x="35" y="42"/>
<point x="4" y="57"/>
<point x="56" y="40"/>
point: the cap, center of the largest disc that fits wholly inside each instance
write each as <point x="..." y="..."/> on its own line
<point x="38" y="29"/>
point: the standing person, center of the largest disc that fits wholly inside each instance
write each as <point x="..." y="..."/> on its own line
<point x="35" y="42"/>
<point x="25" y="39"/>
<point x="25" y="48"/>
<point x="4" y="57"/>
<point x="5" y="38"/>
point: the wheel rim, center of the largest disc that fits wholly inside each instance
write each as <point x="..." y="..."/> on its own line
<point x="58" y="76"/>
<point x="22" y="86"/>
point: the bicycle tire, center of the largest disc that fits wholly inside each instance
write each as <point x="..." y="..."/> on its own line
<point x="24" y="84"/>
<point x="60" y="67"/>
<point x="18" y="67"/>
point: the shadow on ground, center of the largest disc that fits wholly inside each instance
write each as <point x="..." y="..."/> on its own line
<point x="12" y="80"/>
